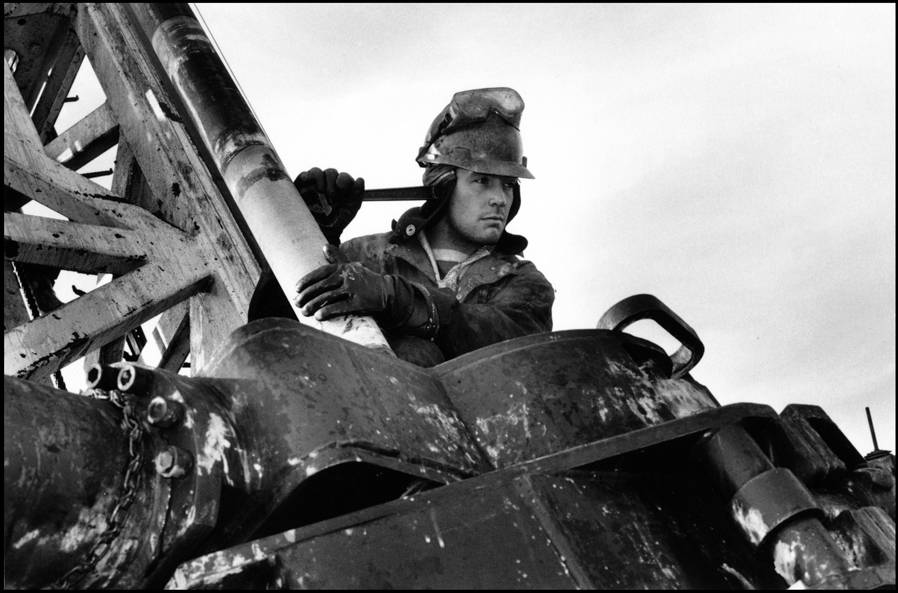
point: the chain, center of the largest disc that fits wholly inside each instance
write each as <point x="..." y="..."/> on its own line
<point x="131" y="425"/>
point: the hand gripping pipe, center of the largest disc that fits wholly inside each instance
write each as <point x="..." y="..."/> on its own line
<point x="278" y="218"/>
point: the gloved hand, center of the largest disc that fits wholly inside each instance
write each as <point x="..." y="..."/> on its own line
<point x="346" y="288"/>
<point x="332" y="198"/>
<point x="343" y="288"/>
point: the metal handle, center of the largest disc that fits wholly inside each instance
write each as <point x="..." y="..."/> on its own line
<point x="646" y="306"/>
<point x="318" y="202"/>
<point x="399" y="194"/>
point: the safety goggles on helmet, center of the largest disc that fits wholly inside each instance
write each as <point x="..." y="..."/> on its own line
<point x="474" y="106"/>
<point x="479" y="130"/>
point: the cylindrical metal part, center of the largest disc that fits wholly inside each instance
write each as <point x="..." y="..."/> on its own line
<point x="769" y="500"/>
<point x="135" y="379"/>
<point x="102" y="376"/>
<point x="770" y="506"/>
<point x="64" y="463"/>
<point x="730" y="458"/>
<point x="276" y="214"/>
<point x="164" y="412"/>
<point x="803" y="550"/>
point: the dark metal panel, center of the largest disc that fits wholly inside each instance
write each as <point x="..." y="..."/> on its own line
<point x="322" y="392"/>
<point x="534" y="396"/>
<point x="647" y="531"/>
<point x="475" y="538"/>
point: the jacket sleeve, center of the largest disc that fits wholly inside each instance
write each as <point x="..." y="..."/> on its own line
<point x="518" y="305"/>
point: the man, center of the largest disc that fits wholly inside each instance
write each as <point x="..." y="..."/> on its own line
<point x="447" y="279"/>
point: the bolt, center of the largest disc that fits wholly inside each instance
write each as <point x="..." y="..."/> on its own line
<point x="173" y="462"/>
<point x="135" y="379"/>
<point x="102" y="376"/>
<point x="164" y="412"/>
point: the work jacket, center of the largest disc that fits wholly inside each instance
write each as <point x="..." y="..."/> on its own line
<point x="499" y="297"/>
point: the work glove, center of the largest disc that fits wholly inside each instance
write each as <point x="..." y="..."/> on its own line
<point x="332" y="198"/>
<point x="344" y="288"/>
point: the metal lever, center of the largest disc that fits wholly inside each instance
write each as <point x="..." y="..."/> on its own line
<point x="395" y="194"/>
<point x="646" y="306"/>
<point x="398" y="194"/>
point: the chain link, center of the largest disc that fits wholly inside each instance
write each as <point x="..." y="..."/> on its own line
<point x="131" y="425"/>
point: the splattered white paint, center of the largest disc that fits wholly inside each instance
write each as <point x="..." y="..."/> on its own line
<point x="682" y="398"/>
<point x="645" y="408"/>
<point x="436" y="528"/>
<point x="751" y="520"/>
<point x="216" y="443"/>
<point x="784" y="561"/>
<point x="26" y="538"/>
<point x="745" y="584"/>
<point x="91" y="523"/>
<point x="258" y="554"/>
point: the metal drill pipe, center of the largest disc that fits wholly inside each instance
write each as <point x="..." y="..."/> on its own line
<point x="284" y="228"/>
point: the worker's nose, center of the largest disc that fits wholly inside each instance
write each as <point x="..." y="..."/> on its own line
<point x="497" y="197"/>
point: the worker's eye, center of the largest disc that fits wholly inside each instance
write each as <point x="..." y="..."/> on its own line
<point x="483" y="180"/>
<point x="510" y="184"/>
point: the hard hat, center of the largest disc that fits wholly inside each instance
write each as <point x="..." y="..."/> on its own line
<point x="479" y="131"/>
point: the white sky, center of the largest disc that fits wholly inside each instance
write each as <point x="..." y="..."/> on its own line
<point x="736" y="161"/>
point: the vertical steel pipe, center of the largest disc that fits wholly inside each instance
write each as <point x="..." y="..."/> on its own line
<point x="284" y="228"/>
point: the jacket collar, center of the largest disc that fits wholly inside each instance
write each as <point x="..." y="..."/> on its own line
<point x="487" y="270"/>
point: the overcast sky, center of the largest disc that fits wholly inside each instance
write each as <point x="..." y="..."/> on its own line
<point x="736" y="161"/>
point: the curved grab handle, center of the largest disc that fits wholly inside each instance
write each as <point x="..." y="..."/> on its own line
<point x="646" y="306"/>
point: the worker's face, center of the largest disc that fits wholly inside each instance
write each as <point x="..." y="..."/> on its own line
<point x="478" y="207"/>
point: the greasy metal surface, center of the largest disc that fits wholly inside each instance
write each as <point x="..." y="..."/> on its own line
<point x="646" y="306"/>
<point x="867" y="534"/>
<point x="580" y="529"/>
<point x="834" y="440"/>
<point x="769" y="500"/>
<point x="466" y="538"/>
<point x="64" y="461"/>
<point x="537" y="395"/>
<point x="772" y="508"/>
<point x="303" y="401"/>
<point x="730" y="458"/>
<point x="804" y="552"/>
<point x="634" y="530"/>
<point x="325" y="392"/>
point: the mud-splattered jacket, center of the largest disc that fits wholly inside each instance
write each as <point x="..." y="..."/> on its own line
<point x="499" y="297"/>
